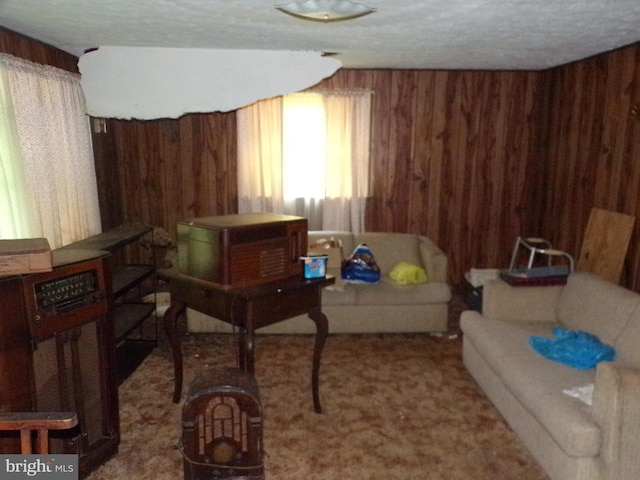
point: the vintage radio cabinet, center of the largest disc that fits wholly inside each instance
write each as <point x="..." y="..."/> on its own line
<point x="242" y="250"/>
<point x="57" y="353"/>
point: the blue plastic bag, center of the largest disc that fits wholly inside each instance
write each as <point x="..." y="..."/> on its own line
<point x="574" y="348"/>
<point x="361" y="266"/>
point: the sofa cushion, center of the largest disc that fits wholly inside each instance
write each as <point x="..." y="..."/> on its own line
<point x="345" y="294"/>
<point x="434" y="260"/>
<point x="627" y="344"/>
<point x="592" y="304"/>
<point x="388" y="292"/>
<point x="389" y="249"/>
<point x="536" y="382"/>
<point x="496" y="339"/>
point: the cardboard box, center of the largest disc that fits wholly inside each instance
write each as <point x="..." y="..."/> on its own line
<point x="334" y="255"/>
<point x="25" y="255"/>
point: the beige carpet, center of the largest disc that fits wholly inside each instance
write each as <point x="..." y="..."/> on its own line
<point x="395" y="407"/>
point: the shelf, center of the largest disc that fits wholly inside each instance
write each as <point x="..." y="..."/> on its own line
<point x="129" y="316"/>
<point x="129" y="284"/>
<point x="113" y="239"/>
<point x="126" y="277"/>
<point x="130" y="355"/>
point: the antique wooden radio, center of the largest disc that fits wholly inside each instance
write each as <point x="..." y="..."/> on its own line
<point x="56" y="354"/>
<point x="222" y="427"/>
<point x="242" y="250"/>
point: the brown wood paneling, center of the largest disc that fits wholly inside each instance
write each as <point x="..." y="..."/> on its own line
<point x="451" y="158"/>
<point x="594" y="149"/>
<point x="24" y="47"/>
<point x="171" y="169"/>
<point x="454" y="157"/>
<point x="110" y="192"/>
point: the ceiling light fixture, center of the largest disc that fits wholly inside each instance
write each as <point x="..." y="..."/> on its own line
<point x="325" y="10"/>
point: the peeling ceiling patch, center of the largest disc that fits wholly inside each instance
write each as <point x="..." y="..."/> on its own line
<point x="150" y="83"/>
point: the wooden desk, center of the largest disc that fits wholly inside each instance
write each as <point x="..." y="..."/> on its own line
<point x="248" y="309"/>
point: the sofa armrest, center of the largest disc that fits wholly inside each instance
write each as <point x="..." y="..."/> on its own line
<point x="434" y="260"/>
<point x="616" y="409"/>
<point x="520" y="304"/>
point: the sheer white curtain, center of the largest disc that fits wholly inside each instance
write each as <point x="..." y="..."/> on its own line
<point x="348" y="142"/>
<point x="260" y="157"/>
<point x="325" y="178"/>
<point x="55" y="155"/>
<point x="16" y="219"/>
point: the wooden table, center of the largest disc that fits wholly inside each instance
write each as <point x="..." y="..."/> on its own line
<point x="248" y="309"/>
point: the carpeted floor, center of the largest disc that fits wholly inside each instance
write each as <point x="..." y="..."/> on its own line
<point x="395" y="407"/>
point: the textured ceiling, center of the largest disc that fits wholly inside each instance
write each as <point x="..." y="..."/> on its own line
<point x="431" y="34"/>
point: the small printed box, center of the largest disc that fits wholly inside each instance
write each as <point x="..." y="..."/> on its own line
<point x="24" y="256"/>
<point x="315" y="266"/>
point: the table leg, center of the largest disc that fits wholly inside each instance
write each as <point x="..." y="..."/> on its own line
<point x="246" y="356"/>
<point x="171" y="327"/>
<point x="322" y="331"/>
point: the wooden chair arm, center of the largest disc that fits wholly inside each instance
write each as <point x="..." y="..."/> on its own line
<point x="38" y="420"/>
<point x="41" y="422"/>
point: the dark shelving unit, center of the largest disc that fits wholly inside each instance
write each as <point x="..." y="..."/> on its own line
<point x="135" y="324"/>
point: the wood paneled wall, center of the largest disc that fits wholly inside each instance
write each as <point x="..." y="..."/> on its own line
<point x="594" y="149"/>
<point x="162" y="171"/>
<point x="36" y="51"/>
<point x="453" y="157"/>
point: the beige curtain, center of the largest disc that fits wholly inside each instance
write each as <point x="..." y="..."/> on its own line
<point x="274" y="177"/>
<point x="16" y="219"/>
<point x="348" y="140"/>
<point x="56" y="151"/>
<point x="259" y="157"/>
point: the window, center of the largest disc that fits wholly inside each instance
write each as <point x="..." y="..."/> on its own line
<point x="303" y="137"/>
<point x="307" y="154"/>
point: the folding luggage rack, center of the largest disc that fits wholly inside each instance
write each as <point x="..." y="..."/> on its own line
<point x="539" y="246"/>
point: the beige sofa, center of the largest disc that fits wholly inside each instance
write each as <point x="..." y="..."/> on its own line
<point x="382" y="307"/>
<point x="570" y="439"/>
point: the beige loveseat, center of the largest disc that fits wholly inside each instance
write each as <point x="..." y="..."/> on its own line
<point x="569" y="438"/>
<point x="368" y="308"/>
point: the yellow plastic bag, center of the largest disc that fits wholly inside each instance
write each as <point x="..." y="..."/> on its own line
<point x="408" y="273"/>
